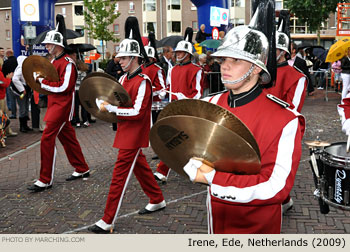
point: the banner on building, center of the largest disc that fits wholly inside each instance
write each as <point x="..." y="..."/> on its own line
<point x="29" y="10"/>
<point x="218" y="16"/>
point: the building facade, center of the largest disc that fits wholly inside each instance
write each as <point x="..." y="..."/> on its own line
<point x="163" y="17"/>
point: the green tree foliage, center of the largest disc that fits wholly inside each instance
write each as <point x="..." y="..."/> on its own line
<point x="98" y="15"/>
<point x="313" y="12"/>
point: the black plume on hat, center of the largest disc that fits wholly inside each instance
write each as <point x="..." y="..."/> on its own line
<point x="132" y="27"/>
<point x="188" y="34"/>
<point x="62" y="28"/>
<point x="152" y="40"/>
<point x="285" y="17"/>
<point x="265" y="24"/>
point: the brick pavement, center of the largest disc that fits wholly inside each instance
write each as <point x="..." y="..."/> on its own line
<point x="71" y="206"/>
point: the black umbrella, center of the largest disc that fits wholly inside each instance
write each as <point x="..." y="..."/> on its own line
<point x="320" y="53"/>
<point x="304" y="45"/>
<point x="81" y="48"/>
<point x="169" y="41"/>
<point x="71" y="34"/>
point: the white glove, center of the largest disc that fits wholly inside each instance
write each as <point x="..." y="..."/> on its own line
<point x="98" y="103"/>
<point x="162" y="95"/>
<point x="191" y="168"/>
<point x="35" y="75"/>
<point x="346" y="127"/>
<point x="111" y="109"/>
<point x="180" y="96"/>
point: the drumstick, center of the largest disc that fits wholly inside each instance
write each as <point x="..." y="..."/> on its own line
<point x="348" y="144"/>
<point x="169" y="92"/>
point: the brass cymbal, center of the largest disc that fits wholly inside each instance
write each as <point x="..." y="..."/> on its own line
<point x="103" y="88"/>
<point x="211" y="112"/>
<point x="43" y="67"/>
<point x="317" y="143"/>
<point x="175" y="139"/>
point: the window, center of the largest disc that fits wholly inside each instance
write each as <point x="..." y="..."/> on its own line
<point x="116" y="8"/>
<point x="238" y="3"/>
<point x="173" y="4"/>
<point x="131" y="7"/>
<point x="174" y="27"/>
<point x="195" y="26"/>
<point x="149" y="5"/>
<point x="149" y="27"/>
<point x="7" y="16"/>
<point x="116" y="28"/>
<point x="8" y="35"/>
<point x="278" y="5"/>
<point x="80" y="29"/>
<point x="116" y="48"/>
<point x="237" y="21"/>
<point x="78" y="10"/>
<point x="63" y="12"/>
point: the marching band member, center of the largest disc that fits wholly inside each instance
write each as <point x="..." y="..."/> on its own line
<point x="291" y="83"/>
<point x="155" y="73"/>
<point x="252" y="203"/>
<point x="60" y="108"/>
<point x="132" y="133"/>
<point x="185" y="83"/>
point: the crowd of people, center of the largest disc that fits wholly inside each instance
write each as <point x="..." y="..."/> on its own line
<point x="269" y="105"/>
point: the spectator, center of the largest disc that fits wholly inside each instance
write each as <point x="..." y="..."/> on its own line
<point x="5" y="83"/>
<point x="166" y="61"/>
<point x="113" y="67"/>
<point x="22" y="93"/>
<point x="336" y="68"/>
<point x="345" y="74"/>
<point x="201" y="34"/>
<point x="9" y="66"/>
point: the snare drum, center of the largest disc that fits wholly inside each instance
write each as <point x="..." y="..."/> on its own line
<point x="336" y="176"/>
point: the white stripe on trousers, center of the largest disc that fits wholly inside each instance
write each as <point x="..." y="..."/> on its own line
<point x="125" y="185"/>
<point x="54" y="155"/>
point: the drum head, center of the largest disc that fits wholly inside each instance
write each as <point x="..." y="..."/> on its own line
<point x="338" y="150"/>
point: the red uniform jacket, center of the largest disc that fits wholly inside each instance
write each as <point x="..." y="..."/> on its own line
<point x="4" y="83"/>
<point x="290" y="86"/>
<point x="60" y="104"/>
<point x="252" y="203"/>
<point x="157" y="77"/>
<point x="186" y="79"/>
<point x="135" y="122"/>
<point x="344" y="108"/>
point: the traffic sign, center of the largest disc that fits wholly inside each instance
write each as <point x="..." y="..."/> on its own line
<point x="215" y="33"/>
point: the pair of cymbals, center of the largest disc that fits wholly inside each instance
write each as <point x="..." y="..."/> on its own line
<point x="195" y="128"/>
<point x="317" y="143"/>
<point x="104" y="87"/>
<point x="41" y="66"/>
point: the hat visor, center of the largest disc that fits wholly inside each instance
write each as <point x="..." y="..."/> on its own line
<point x="52" y="42"/>
<point x="238" y="54"/>
<point x="125" y="54"/>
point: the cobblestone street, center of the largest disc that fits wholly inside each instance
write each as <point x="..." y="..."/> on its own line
<point x="70" y="207"/>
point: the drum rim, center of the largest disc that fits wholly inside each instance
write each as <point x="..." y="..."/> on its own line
<point x="334" y="160"/>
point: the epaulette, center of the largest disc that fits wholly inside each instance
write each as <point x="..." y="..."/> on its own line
<point x="299" y="70"/>
<point x="278" y="100"/>
<point x="158" y="65"/>
<point x="69" y="60"/>
<point x="145" y="76"/>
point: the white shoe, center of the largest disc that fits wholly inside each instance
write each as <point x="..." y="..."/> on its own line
<point x="320" y="88"/>
<point x="150" y="208"/>
<point x="160" y="177"/>
<point x="286" y="207"/>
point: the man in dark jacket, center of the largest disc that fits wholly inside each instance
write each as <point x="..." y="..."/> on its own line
<point x="113" y="68"/>
<point x="202" y="35"/>
<point x="9" y="67"/>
